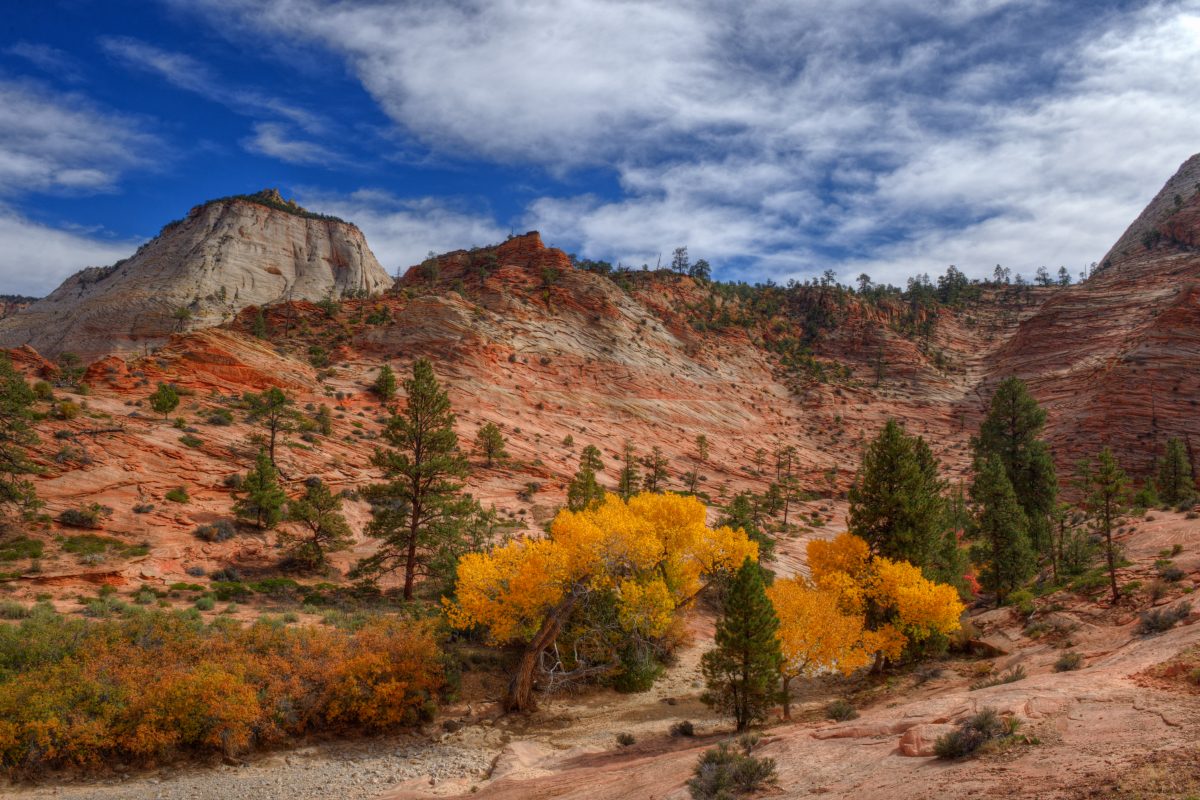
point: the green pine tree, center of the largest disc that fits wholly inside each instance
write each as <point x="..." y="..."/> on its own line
<point x="584" y="490"/>
<point x="262" y="497"/>
<point x="165" y="399"/>
<point x="745" y="511"/>
<point x="742" y="671"/>
<point x="259" y="327"/>
<point x="629" y="479"/>
<point x="1106" y="492"/>
<point x="325" y="420"/>
<point x="490" y="442"/>
<point x="1175" y="481"/>
<point x="16" y="436"/>
<point x="896" y="502"/>
<point x="275" y="410"/>
<point x="1000" y="530"/>
<point x="323" y="528"/>
<point x="385" y="383"/>
<point x="655" y="479"/>
<point x="421" y="504"/>
<point x="1010" y="431"/>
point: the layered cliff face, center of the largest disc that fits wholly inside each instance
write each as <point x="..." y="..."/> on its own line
<point x="199" y="272"/>
<point x="1116" y="360"/>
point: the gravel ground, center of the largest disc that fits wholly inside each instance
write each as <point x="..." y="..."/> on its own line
<point x="341" y="770"/>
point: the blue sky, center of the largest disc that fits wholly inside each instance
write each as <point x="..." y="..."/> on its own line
<point x="776" y="138"/>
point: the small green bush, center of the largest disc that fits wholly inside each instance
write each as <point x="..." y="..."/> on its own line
<point x="1022" y="601"/>
<point x="976" y="731"/>
<point x="683" y="728"/>
<point x="1068" y="662"/>
<point x="1012" y="676"/>
<point x="20" y="547"/>
<point x="177" y="495"/>
<point x="11" y="609"/>
<point x="724" y="772"/>
<point x="188" y="440"/>
<point x="220" y="531"/>
<point x="1157" y="620"/>
<point x="205" y="603"/>
<point x="625" y="739"/>
<point x="841" y="711"/>
<point x="89" y="516"/>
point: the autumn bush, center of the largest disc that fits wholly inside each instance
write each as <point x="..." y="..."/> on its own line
<point x="152" y="685"/>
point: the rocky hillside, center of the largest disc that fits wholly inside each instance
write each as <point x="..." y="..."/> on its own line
<point x="199" y="272"/>
<point x="1116" y="359"/>
<point x="562" y="358"/>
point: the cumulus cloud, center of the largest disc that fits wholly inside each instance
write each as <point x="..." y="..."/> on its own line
<point x="52" y="142"/>
<point x="777" y="138"/>
<point x="38" y="257"/>
<point x="402" y="231"/>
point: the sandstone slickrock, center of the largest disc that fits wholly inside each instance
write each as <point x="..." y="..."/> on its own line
<point x="224" y="256"/>
<point x="1115" y="360"/>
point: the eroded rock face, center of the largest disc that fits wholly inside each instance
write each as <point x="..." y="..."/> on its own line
<point x="1116" y="360"/>
<point x="224" y="256"/>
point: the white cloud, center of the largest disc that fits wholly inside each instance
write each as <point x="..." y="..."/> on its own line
<point x="276" y="138"/>
<point x="62" y="142"/>
<point x="36" y="258"/>
<point x="48" y="59"/>
<point x="273" y="139"/>
<point x="402" y="231"/>
<point x="888" y="135"/>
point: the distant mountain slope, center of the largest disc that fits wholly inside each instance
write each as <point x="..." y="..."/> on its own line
<point x="200" y="271"/>
<point x="1116" y="359"/>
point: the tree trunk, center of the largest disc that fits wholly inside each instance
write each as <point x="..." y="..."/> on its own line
<point x="785" y="696"/>
<point x="410" y="566"/>
<point x="1112" y="567"/>
<point x="519" y="696"/>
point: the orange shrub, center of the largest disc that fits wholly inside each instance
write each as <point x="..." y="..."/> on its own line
<point x="156" y="684"/>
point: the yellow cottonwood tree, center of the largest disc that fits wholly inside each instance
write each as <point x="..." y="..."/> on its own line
<point x="654" y="554"/>
<point x="816" y="634"/>
<point x="891" y="602"/>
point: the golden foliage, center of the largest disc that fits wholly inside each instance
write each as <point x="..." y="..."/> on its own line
<point x="826" y="623"/>
<point x="815" y="633"/>
<point x="653" y="552"/>
<point x="156" y="684"/>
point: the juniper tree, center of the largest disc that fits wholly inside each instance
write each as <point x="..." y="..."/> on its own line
<point x="275" y="411"/>
<point x="896" y="502"/>
<point x="1010" y="431"/>
<point x="490" y="442"/>
<point x="1106" y="489"/>
<point x="16" y="436"/>
<point x="165" y="399"/>
<point x="1175" y="481"/>
<point x="385" y="383"/>
<point x="702" y="447"/>
<point x="1000" y="530"/>
<point x="584" y="490"/>
<point x="421" y="504"/>
<point x="262" y="497"/>
<point x="742" y="670"/>
<point x="324" y="530"/>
